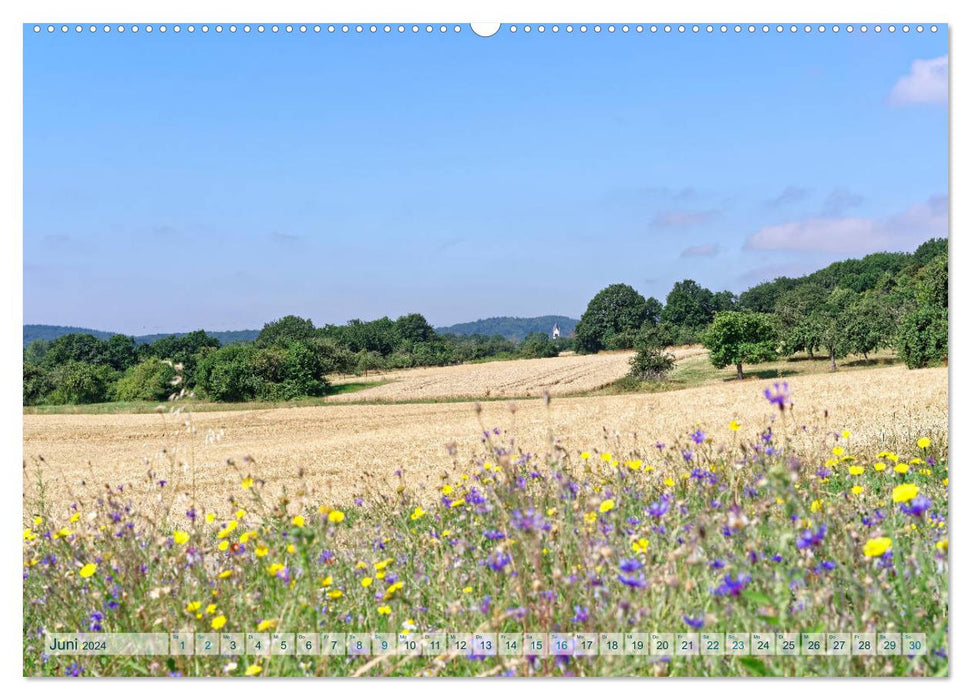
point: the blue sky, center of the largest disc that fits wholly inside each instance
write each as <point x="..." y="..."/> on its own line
<point x="180" y="181"/>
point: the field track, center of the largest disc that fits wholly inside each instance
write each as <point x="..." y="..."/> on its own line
<point x="348" y="451"/>
<point x="567" y="374"/>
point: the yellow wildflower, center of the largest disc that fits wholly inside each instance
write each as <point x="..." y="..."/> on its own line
<point x="218" y="622"/>
<point x="923" y="443"/>
<point x="417" y="513"/>
<point x="262" y="550"/>
<point x="607" y="505"/>
<point x="223" y="546"/>
<point x="734" y="426"/>
<point x="905" y="492"/>
<point x="816" y="506"/>
<point x="877" y="546"/>
<point x="901" y="468"/>
<point x="367" y="581"/>
<point x="457" y="503"/>
<point x="87" y="571"/>
<point x="856" y="490"/>
<point x="467" y="589"/>
<point x="856" y="470"/>
<point x="838" y="451"/>
<point x="590" y="518"/>
<point x="880" y="466"/>
<point x="267" y="625"/>
<point x="298" y="520"/>
<point x="252" y="670"/>
<point x="210" y="517"/>
<point x="640" y="545"/>
<point x="384" y="610"/>
<point x="336" y="516"/>
<point x="226" y="574"/>
<point x="193" y="606"/>
<point x="211" y="609"/>
<point x="584" y="455"/>
<point x="334" y="595"/>
<point x="247" y="483"/>
<point x="606" y="456"/>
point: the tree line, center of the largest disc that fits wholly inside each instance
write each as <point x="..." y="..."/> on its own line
<point x="290" y="358"/>
<point x="853" y="307"/>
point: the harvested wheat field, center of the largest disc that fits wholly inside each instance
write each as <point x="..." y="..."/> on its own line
<point x="567" y="374"/>
<point x="331" y="454"/>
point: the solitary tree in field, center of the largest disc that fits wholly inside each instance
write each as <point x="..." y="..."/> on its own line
<point x="737" y="337"/>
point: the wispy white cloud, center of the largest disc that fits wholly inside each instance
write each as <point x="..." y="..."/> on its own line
<point x="839" y="200"/>
<point x="790" y="195"/>
<point x="856" y="234"/>
<point x="700" y="251"/>
<point x="680" y="218"/>
<point x="925" y="83"/>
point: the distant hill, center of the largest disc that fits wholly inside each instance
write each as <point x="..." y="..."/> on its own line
<point x="34" y="332"/>
<point x="512" y="327"/>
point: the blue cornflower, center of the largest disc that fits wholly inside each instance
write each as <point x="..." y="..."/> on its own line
<point x="779" y="395"/>
<point x="917" y="506"/>
<point x="731" y="585"/>
<point x="698" y="437"/>
<point x="695" y="623"/>
<point x="809" y="538"/>
<point x="494" y="535"/>
<point x="629" y="566"/>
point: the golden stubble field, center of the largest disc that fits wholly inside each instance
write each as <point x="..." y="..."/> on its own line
<point x="558" y="376"/>
<point x="331" y="454"/>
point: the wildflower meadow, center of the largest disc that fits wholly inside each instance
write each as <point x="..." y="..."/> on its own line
<point x="784" y="528"/>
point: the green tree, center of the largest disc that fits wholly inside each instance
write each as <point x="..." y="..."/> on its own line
<point x="185" y="350"/>
<point x="81" y="382"/>
<point x="799" y="312"/>
<point x="537" y="345"/>
<point x="834" y="317"/>
<point x="149" y="380"/>
<point x="651" y="362"/>
<point x="120" y="351"/>
<point x="412" y="329"/>
<point x="227" y="374"/>
<point x="869" y="324"/>
<point x="923" y="337"/>
<point x="36" y="351"/>
<point x="689" y="307"/>
<point x="76" y="347"/>
<point x="739" y="337"/>
<point x="284" y="331"/>
<point x="37" y="383"/>
<point x="615" y="310"/>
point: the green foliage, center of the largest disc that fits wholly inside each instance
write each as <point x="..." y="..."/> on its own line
<point x="650" y="363"/>
<point x="37" y="383"/>
<point x="834" y="316"/>
<point x="120" y="352"/>
<point x="76" y="347"/>
<point x="227" y="374"/>
<point x="801" y="324"/>
<point x="537" y="345"/>
<point x="284" y="331"/>
<point x="923" y="337"/>
<point x="36" y="351"/>
<point x="615" y="310"/>
<point x="149" y="380"/>
<point x="869" y="324"/>
<point x="412" y="329"/>
<point x="739" y="337"/>
<point x="81" y="382"/>
<point x="185" y="350"/>
<point x="689" y="308"/>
